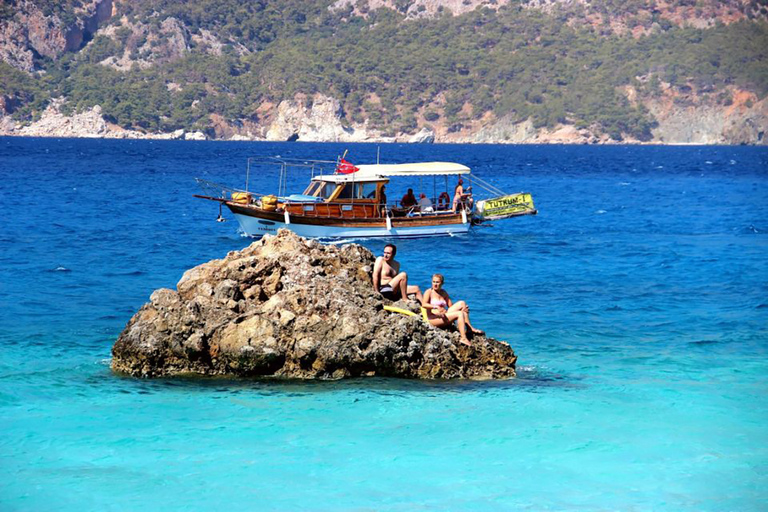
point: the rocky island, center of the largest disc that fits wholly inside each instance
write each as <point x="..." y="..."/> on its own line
<point x="294" y="308"/>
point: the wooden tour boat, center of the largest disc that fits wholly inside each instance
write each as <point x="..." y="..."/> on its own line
<point x="344" y="201"/>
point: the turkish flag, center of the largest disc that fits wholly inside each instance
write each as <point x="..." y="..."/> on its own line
<point x="344" y="167"/>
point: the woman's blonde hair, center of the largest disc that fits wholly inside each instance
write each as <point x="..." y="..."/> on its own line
<point x="442" y="279"/>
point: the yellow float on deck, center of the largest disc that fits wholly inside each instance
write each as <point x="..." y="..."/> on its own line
<point x="241" y="197"/>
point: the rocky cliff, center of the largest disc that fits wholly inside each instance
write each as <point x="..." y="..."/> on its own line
<point x="689" y="119"/>
<point x="32" y="32"/>
<point x="294" y="308"/>
<point x="87" y="124"/>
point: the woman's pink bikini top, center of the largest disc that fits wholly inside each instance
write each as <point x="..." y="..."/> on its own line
<point x="438" y="301"/>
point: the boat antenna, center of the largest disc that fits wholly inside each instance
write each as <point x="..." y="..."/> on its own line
<point x="378" y="152"/>
<point x="247" y="174"/>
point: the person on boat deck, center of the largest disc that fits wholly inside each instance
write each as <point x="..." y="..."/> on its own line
<point x="383" y="199"/>
<point x="468" y="199"/>
<point x="443" y="201"/>
<point x="458" y="194"/>
<point x="425" y="204"/>
<point x="408" y="199"/>
<point x="387" y="278"/>
<point x="442" y="312"/>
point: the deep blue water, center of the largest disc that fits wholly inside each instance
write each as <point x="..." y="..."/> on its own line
<point x="637" y="301"/>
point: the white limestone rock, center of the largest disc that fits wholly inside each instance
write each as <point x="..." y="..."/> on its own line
<point x="424" y="136"/>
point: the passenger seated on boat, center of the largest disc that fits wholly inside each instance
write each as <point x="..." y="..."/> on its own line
<point x="443" y="201"/>
<point x="425" y="204"/>
<point x="442" y="312"/>
<point x="408" y="199"/>
<point x="388" y="280"/>
<point x="468" y="200"/>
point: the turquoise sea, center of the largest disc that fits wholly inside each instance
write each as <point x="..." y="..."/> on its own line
<point x="637" y="302"/>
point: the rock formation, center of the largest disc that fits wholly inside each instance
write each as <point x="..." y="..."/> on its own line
<point x="691" y="120"/>
<point x="30" y="31"/>
<point x="294" y="308"/>
<point x="425" y="136"/>
<point x="321" y="121"/>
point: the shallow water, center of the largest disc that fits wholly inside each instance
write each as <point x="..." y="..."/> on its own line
<point x="637" y="301"/>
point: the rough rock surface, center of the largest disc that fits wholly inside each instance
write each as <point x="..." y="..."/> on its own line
<point x="29" y="31"/>
<point x="145" y="48"/>
<point x="424" y="136"/>
<point x="418" y="8"/>
<point x="88" y="124"/>
<point x="294" y="308"/>
<point x="508" y="131"/>
<point x="321" y="121"/>
<point x="743" y="121"/>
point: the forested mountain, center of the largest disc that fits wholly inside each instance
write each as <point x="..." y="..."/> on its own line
<point x="485" y="70"/>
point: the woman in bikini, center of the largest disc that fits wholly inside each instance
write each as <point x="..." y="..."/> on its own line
<point x="442" y="312"/>
<point x="458" y="194"/>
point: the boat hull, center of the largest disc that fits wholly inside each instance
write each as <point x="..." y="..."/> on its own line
<point x="257" y="223"/>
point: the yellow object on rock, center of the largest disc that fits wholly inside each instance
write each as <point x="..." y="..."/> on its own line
<point x="406" y="312"/>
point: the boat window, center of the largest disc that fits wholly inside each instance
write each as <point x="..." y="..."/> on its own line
<point x="347" y="192"/>
<point x="312" y="188"/>
<point x="366" y="190"/>
<point x="326" y="190"/>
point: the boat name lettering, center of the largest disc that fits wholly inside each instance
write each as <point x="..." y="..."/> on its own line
<point x="508" y="204"/>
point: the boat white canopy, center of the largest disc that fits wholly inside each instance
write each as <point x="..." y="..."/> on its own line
<point x="375" y="172"/>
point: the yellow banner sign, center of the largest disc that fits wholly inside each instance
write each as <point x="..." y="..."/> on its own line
<point x="507" y="206"/>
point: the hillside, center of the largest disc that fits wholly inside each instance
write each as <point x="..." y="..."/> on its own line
<point x="691" y="71"/>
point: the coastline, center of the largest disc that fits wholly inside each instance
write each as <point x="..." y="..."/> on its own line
<point x="745" y="123"/>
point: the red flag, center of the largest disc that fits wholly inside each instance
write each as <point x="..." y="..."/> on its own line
<point x="344" y="167"/>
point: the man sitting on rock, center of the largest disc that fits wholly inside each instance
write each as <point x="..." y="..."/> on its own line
<point x="388" y="280"/>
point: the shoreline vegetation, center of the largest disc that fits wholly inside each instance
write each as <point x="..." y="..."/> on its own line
<point x="391" y="71"/>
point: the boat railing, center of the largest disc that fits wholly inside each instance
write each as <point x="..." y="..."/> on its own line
<point x="362" y="211"/>
<point x="218" y="191"/>
<point x="333" y="209"/>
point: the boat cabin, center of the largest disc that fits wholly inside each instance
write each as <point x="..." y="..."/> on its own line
<point x="330" y="188"/>
<point x="362" y="194"/>
<point x="339" y="195"/>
